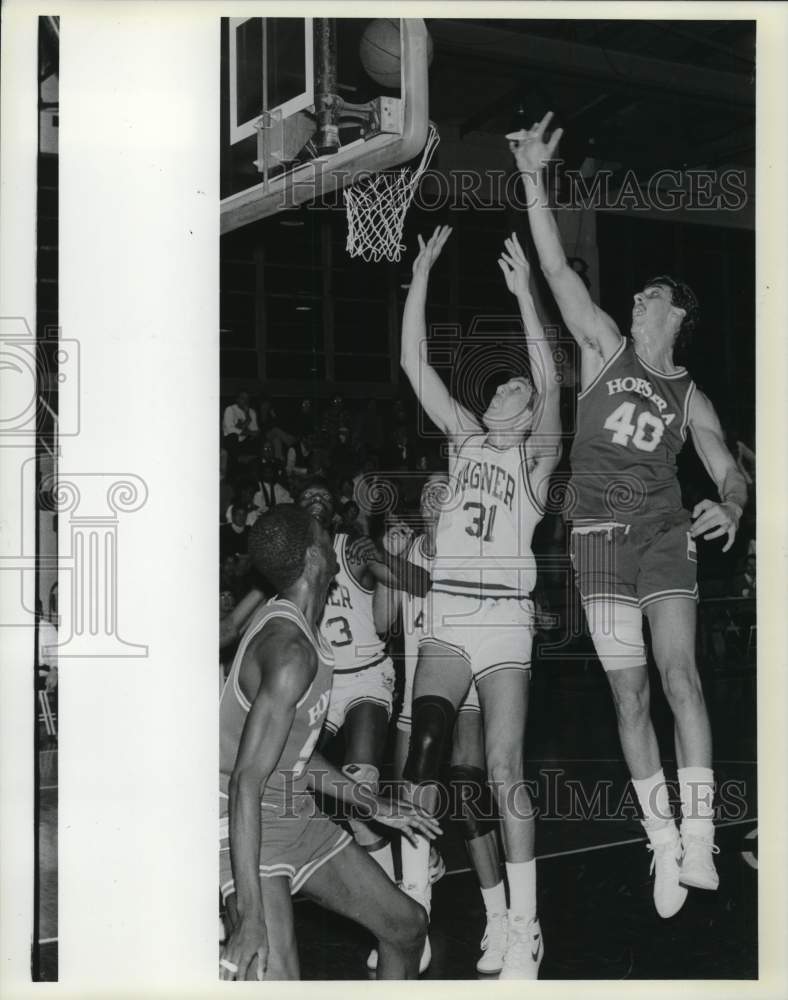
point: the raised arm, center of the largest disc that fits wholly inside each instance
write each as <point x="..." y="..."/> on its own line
<point x="711" y="519"/>
<point x="593" y="329"/>
<point x="284" y="661"/>
<point x="444" y="411"/>
<point x="544" y="443"/>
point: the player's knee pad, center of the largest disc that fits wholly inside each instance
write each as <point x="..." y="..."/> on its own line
<point x="364" y="774"/>
<point x="617" y="631"/>
<point x="471" y="801"/>
<point x="431" y="728"/>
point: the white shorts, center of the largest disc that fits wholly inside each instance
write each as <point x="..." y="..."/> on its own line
<point x="374" y="683"/>
<point x="491" y="634"/>
<point x="470" y="702"/>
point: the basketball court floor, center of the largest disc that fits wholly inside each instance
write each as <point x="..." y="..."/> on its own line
<point x="595" y="902"/>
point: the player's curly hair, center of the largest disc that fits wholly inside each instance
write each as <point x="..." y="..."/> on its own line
<point x="278" y="541"/>
<point x="683" y="297"/>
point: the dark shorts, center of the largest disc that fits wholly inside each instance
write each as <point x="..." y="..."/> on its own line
<point x="295" y="842"/>
<point x="636" y="564"/>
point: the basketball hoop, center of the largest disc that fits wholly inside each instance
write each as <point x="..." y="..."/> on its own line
<point x="377" y="204"/>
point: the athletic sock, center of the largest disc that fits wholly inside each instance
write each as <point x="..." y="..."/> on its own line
<point x="384" y="857"/>
<point x="494" y="899"/>
<point x="521" y="876"/>
<point x="652" y="795"/>
<point x="696" y="788"/>
<point x="416" y="863"/>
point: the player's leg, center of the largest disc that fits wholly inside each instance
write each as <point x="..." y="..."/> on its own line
<point x="673" y="623"/>
<point x="667" y="588"/>
<point x="471" y="800"/>
<point x="282" y="948"/>
<point x="442" y="679"/>
<point x="608" y="568"/>
<point x="617" y="631"/>
<point x="503" y="693"/>
<point x="366" y="731"/>
<point x="351" y="884"/>
<point x="401" y="746"/>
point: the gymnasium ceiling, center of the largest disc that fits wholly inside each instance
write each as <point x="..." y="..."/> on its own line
<point x="641" y="95"/>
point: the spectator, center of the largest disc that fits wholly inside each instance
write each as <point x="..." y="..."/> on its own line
<point x="244" y="497"/>
<point x="301" y="458"/>
<point x="344" y="460"/>
<point x="307" y="420"/>
<point x="270" y="492"/>
<point x="234" y="534"/>
<point x="348" y="512"/>
<point x="399" y="453"/>
<point x="240" y="430"/>
<point x="226" y="491"/>
<point x="273" y="434"/>
<point x="335" y="417"/>
<point x="368" y="429"/>
<point x="744" y="584"/>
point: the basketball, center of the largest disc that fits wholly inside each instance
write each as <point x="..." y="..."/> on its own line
<point x="380" y="51"/>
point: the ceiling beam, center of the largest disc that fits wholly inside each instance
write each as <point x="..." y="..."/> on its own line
<point x="536" y="56"/>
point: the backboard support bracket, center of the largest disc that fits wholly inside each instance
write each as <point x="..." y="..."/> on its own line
<point x="392" y="130"/>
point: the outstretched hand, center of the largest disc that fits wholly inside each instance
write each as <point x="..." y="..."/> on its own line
<point x="409" y="819"/>
<point x="430" y="251"/>
<point x="713" y="520"/>
<point x="397" y="537"/>
<point x="531" y="152"/>
<point x="515" y="267"/>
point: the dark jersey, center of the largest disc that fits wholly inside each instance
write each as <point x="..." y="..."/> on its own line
<point x="288" y="775"/>
<point x="631" y="425"/>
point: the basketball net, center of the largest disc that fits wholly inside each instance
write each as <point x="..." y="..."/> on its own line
<point x="376" y="207"/>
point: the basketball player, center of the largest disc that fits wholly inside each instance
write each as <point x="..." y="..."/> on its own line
<point x="362" y="694"/>
<point x="470" y="796"/>
<point x="273" y="839"/>
<point x="634" y="409"/>
<point x="480" y="611"/>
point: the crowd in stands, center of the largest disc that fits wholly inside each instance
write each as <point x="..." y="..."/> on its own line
<point x="270" y="449"/>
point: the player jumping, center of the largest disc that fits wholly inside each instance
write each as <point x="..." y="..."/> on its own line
<point x="633" y="545"/>
<point x="480" y="610"/>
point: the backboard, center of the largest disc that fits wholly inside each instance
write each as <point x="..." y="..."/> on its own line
<point x="301" y="118"/>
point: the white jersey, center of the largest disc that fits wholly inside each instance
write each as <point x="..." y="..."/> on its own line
<point x="412" y="606"/>
<point x="486" y="526"/>
<point x="348" y="623"/>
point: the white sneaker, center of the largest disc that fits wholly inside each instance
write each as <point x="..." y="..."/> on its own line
<point x="424" y="898"/>
<point x="494" y="943"/>
<point x="437" y="865"/>
<point x="697" y="867"/>
<point x="665" y="843"/>
<point x="524" y="949"/>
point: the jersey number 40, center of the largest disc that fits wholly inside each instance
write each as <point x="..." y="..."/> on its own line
<point x="645" y="433"/>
